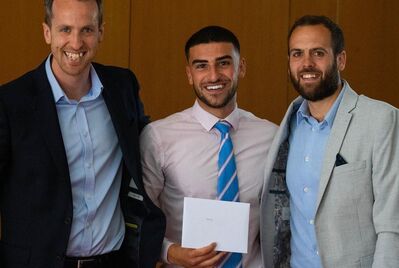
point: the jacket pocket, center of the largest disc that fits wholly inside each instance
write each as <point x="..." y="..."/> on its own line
<point x="350" y="167"/>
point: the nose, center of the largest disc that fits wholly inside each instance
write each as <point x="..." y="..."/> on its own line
<point x="75" y="41"/>
<point x="213" y="74"/>
<point x="308" y="60"/>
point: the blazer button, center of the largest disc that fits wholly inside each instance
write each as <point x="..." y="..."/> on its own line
<point x="67" y="220"/>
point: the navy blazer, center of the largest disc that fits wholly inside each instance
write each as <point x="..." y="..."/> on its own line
<point x="35" y="188"/>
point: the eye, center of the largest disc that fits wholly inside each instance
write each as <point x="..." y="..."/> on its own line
<point x="65" y="30"/>
<point x="296" y="54"/>
<point x="318" y="53"/>
<point x="200" y="66"/>
<point x="87" y="30"/>
<point x="224" y="63"/>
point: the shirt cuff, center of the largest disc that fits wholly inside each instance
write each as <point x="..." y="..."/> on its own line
<point x="165" y="247"/>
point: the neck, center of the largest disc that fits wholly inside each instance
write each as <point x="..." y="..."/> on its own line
<point x="75" y="87"/>
<point x="220" y="113"/>
<point x="319" y="109"/>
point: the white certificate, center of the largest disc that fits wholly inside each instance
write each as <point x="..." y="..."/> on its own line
<point x="206" y="221"/>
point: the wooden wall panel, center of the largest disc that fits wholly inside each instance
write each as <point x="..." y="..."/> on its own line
<point x="148" y="36"/>
<point x="371" y="30"/>
<point x="23" y="47"/>
<point x="299" y="8"/>
<point x="161" y="28"/>
<point x="22" y="42"/>
<point x="116" y="46"/>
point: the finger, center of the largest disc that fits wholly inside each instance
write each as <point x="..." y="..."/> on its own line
<point x="211" y="262"/>
<point x="203" y="251"/>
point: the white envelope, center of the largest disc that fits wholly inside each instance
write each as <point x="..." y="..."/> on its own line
<point x="206" y="221"/>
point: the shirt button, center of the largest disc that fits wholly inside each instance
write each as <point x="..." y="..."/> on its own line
<point x="67" y="220"/>
<point x="317" y="252"/>
<point x="88" y="165"/>
<point x="307" y="158"/>
<point x="85" y="134"/>
<point x="311" y="222"/>
<point x="313" y="129"/>
<point x="306" y="189"/>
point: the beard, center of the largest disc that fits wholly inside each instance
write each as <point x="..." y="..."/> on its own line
<point x="325" y="88"/>
<point x="216" y="104"/>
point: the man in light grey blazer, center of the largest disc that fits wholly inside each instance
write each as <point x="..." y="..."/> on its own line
<point x="331" y="193"/>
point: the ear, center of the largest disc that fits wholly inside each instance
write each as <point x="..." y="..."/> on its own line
<point x="341" y="60"/>
<point x="189" y="76"/>
<point x="101" y="33"/>
<point x="242" y="68"/>
<point x="46" y="33"/>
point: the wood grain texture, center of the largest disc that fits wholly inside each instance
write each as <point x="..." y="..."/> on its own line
<point x="148" y="36"/>
<point x="161" y="28"/>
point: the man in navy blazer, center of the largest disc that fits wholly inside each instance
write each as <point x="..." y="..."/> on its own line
<point x="71" y="192"/>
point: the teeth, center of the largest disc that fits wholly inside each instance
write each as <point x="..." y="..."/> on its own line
<point x="74" y="56"/>
<point x="214" y="87"/>
<point x="309" y="76"/>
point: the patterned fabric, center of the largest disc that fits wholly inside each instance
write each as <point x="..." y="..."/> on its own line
<point x="279" y="191"/>
<point x="227" y="186"/>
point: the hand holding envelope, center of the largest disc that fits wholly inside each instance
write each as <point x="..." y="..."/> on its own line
<point x="206" y="221"/>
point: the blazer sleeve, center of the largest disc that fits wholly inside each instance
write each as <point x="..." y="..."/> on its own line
<point x="143" y="119"/>
<point x="386" y="192"/>
<point x="4" y="143"/>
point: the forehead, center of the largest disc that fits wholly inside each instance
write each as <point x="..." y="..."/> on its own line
<point x="74" y="11"/>
<point x="211" y="51"/>
<point x="310" y="36"/>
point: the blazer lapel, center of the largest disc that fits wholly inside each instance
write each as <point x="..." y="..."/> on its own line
<point x="123" y="119"/>
<point x="47" y="121"/>
<point x="337" y="135"/>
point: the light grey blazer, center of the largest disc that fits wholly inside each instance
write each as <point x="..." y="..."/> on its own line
<point x="357" y="211"/>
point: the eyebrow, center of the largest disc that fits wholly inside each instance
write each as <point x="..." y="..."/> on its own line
<point x="312" y="49"/>
<point x="217" y="59"/>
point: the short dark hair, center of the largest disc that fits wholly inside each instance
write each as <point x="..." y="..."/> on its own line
<point x="211" y="34"/>
<point x="337" y="36"/>
<point x="48" y="6"/>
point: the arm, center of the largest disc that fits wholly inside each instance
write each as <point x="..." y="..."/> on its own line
<point x="152" y="159"/>
<point x="4" y="144"/>
<point x="385" y="178"/>
<point x="143" y="119"/>
<point x="4" y="154"/>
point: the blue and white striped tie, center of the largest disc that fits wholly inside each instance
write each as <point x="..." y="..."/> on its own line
<point x="227" y="186"/>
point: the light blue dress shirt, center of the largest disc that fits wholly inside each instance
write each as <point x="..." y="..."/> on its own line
<point x="94" y="160"/>
<point x="308" y="139"/>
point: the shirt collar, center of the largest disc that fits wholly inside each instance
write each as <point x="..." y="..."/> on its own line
<point x="208" y="120"/>
<point x="58" y="92"/>
<point x="303" y="111"/>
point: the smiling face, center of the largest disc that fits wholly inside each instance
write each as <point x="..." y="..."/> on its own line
<point x="213" y="70"/>
<point x="74" y="36"/>
<point x="313" y="67"/>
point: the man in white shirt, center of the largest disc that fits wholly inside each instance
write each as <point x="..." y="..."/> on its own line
<point x="180" y="152"/>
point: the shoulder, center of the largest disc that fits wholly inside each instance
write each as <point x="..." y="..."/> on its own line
<point x="249" y="119"/>
<point x="375" y="106"/>
<point x="19" y="85"/>
<point x="113" y="76"/>
<point x="167" y="131"/>
<point x="170" y="123"/>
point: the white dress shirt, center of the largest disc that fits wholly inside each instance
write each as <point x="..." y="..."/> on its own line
<point x="179" y="158"/>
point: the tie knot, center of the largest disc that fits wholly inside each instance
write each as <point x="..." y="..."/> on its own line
<point x="223" y="127"/>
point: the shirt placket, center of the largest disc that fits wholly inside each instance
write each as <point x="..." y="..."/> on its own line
<point x="89" y="183"/>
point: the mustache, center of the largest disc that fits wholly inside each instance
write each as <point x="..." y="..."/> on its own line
<point x="309" y="70"/>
